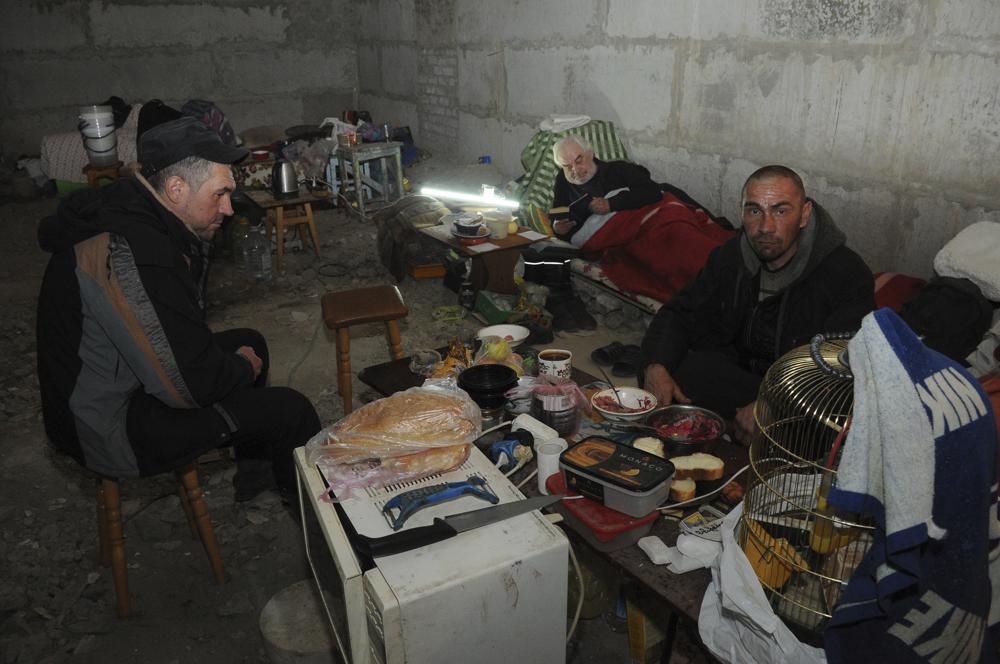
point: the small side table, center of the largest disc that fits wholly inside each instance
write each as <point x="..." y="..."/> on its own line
<point x="356" y="164"/>
<point x="95" y="173"/>
<point x="284" y="212"/>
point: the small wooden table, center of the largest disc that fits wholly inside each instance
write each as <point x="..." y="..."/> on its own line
<point x="492" y="261"/>
<point x="299" y="213"/>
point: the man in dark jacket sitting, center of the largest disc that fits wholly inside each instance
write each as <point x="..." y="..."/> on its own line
<point x="133" y="381"/>
<point x="787" y="276"/>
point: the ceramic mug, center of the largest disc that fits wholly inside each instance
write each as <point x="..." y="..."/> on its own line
<point x="555" y="362"/>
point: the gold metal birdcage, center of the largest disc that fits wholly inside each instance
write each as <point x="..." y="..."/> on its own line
<point x="802" y="550"/>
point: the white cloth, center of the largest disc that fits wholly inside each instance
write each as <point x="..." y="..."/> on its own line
<point x="692" y="552"/>
<point x="557" y="123"/>
<point x="736" y="622"/>
<point x="974" y="254"/>
<point x="889" y="452"/>
<point x="595" y="222"/>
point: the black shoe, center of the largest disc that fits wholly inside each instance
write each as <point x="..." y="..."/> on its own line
<point x="252" y="478"/>
<point x="584" y="321"/>
<point x="627" y="365"/>
<point x="563" y="319"/>
<point x="608" y="355"/>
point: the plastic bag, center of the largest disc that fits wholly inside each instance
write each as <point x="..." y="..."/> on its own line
<point x="549" y="386"/>
<point x="406" y="436"/>
<point x="736" y="622"/>
<point x="496" y="350"/>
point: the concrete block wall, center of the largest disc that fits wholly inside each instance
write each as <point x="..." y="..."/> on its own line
<point x="263" y="62"/>
<point x="888" y="108"/>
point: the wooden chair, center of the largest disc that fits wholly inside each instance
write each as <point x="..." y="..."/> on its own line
<point x="112" y="538"/>
<point x="343" y="309"/>
<point x="95" y="173"/>
<point x="296" y="215"/>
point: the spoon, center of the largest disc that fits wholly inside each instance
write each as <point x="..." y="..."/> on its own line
<point x="617" y="396"/>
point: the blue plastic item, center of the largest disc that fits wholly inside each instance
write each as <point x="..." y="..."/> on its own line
<point x="504" y="448"/>
<point x="408" y="502"/>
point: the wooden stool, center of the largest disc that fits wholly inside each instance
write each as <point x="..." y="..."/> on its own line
<point x="95" y="173"/>
<point x="112" y="539"/>
<point x="296" y="215"/>
<point x="343" y="309"/>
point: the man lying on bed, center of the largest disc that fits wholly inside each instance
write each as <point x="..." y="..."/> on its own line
<point x="647" y="241"/>
<point x="787" y="276"/>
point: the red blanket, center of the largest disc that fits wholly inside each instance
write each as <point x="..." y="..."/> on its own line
<point x="655" y="257"/>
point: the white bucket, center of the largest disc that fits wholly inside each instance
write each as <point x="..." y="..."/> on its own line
<point x="97" y="127"/>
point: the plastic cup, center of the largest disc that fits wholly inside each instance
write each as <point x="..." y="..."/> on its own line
<point x="547" y="454"/>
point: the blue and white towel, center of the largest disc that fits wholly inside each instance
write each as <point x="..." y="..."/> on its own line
<point x="920" y="459"/>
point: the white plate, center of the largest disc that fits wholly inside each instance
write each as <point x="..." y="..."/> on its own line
<point x="513" y="334"/>
<point x="632" y="397"/>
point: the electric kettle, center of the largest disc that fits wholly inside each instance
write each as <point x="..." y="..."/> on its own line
<point x="284" y="180"/>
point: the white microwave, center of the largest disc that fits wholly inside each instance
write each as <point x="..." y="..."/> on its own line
<point x="495" y="594"/>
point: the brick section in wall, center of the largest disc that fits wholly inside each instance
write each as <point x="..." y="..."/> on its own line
<point x="437" y="97"/>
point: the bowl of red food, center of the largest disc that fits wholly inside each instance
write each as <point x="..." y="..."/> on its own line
<point x="685" y="428"/>
<point x="634" y="403"/>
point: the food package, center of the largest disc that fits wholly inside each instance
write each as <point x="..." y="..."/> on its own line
<point x="406" y="436"/>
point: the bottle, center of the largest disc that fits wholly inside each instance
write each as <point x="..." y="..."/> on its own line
<point x="467" y="294"/>
<point x="241" y="240"/>
<point x="258" y="255"/>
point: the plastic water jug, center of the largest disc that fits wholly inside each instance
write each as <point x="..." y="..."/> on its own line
<point x="97" y="127"/>
<point x="258" y="255"/>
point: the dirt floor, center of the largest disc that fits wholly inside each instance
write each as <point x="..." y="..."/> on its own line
<point x="57" y="603"/>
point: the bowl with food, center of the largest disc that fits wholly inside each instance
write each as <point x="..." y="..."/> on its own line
<point x="635" y="404"/>
<point x="512" y="334"/>
<point x="686" y="428"/>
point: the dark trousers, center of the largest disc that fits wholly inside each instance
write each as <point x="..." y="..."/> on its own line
<point x="261" y="423"/>
<point x="714" y="379"/>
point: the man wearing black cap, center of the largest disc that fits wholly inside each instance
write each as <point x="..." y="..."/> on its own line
<point x="133" y="381"/>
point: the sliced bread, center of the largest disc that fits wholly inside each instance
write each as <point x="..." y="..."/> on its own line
<point x="681" y="490"/>
<point x="698" y="466"/>
<point x="649" y="444"/>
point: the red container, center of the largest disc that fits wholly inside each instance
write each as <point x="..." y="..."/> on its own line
<point x="604" y="529"/>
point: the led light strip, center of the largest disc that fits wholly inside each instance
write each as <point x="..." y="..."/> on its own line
<point x="492" y="200"/>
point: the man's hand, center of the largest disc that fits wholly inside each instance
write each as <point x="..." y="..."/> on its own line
<point x="563" y="226"/>
<point x="599" y="205"/>
<point x="744" y="424"/>
<point x="662" y="385"/>
<point x="255" y="362"/>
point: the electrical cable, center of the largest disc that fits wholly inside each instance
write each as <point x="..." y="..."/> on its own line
<point x="698" y="499"/>
<point x="579" y="601"/>
<point x="525" y="480"/>
<point x="309" y="350"/>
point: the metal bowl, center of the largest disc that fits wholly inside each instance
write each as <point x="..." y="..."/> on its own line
<point x="676" y="441"/>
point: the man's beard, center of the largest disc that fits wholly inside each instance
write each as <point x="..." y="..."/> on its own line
<point x="587" y="177"/>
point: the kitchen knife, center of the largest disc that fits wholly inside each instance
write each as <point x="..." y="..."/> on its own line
<point x="449" y="526"/>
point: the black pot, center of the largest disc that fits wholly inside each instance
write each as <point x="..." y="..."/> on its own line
<point x="487" y="383"/>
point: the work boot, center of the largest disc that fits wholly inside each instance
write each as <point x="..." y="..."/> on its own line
<point x="253" y="477"/>
<point x="584" y="321"/>
<point x="563" y="319"/>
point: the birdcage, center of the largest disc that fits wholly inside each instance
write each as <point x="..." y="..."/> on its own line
<point x="802" y="550"/>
